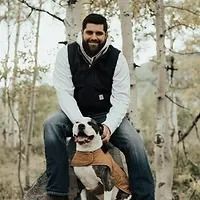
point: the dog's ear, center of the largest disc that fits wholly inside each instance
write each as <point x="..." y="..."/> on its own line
<point x="100" y="128"/>
<point x="94" y="125"/>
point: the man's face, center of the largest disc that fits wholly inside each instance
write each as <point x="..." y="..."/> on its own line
<point x="94" y="37"/>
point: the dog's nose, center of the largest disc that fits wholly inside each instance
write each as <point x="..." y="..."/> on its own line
<point x="81" y="127"/>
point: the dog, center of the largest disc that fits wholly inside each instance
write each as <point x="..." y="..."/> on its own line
<point x="94" y="166"/>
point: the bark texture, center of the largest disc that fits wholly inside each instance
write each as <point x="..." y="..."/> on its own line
<point x="163" y="153"/>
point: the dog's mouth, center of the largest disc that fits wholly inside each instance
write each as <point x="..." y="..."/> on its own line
<point x="81" y="138"/>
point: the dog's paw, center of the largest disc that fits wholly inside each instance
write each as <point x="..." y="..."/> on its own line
<point x="122" y="196"/>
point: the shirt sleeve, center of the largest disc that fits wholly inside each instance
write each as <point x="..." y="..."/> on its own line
<point x="62" y="80"/>
<point x="120" y="94"/>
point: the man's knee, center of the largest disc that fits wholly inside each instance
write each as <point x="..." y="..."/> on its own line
<point x="56" y="127"/>
<point x="56" y="118"/>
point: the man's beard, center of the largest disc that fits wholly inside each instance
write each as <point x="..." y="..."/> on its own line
<point x="93" y="48"/>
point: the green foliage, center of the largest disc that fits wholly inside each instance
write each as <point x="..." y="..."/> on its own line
<point x="46" y="103"/>
<point x="105" y="7"/>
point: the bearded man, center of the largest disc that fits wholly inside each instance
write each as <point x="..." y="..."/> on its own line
<point x="91" y="79"/>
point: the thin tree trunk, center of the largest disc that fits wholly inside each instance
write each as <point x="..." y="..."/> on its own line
<point x="75" y="12"/>
<point x="14" y="105"/>
<point x="79" y="12"/>
<point x="5" y="96"/>
<point x="31" y="109"/>
<point x="127" y="46"/>
<point x="12" y="102"/>
<point x="163" y="153"/>
<point x="173" y="123"/>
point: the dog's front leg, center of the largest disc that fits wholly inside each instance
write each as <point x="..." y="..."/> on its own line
<point x="83" y="194"/>
<point x="107" y="195"/>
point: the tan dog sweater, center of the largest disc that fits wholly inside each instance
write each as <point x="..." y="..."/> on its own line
<point x="98" y="157"/>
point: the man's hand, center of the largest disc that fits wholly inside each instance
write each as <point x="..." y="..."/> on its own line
<point x="106" y="134"/>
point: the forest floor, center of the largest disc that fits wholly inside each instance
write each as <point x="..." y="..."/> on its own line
<point x="186" y="184"/>
<point x="9" y="184"/>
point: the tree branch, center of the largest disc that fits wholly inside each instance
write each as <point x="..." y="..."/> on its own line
<point x="60" y="4"/>
<point x="41" y="10"/>
<point x="185" y="53"/>
<point x="181" y="24"/>
<point x="197" y="133"/>
<point x="196" y="12"/>
<point x="183" y="136"/>
<point x="175" y="102"/>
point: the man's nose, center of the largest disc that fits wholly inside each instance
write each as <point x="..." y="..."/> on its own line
<point x="93" y="36"/>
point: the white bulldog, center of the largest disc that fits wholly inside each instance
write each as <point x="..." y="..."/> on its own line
<point x="95" y="167"/>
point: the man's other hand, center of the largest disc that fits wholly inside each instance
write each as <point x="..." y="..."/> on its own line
<point x="106" y="134"/>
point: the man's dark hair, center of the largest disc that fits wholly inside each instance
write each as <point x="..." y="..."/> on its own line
<point x="95" y="19"/>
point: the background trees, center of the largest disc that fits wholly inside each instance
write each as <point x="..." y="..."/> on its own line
<point x="26" y="100"/>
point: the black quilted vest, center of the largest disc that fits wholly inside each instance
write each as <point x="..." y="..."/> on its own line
<point x="93" y="84"/>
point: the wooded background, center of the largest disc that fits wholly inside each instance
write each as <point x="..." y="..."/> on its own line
<point x="165" y="90"/>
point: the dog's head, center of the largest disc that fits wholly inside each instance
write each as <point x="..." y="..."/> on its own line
<point x="85" y="131"/>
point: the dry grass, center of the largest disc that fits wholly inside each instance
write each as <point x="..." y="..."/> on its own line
<point x="9" y="186"/>
<point x="186" y="173"/>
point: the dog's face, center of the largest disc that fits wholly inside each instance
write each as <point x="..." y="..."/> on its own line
<point x="85" y="131"/>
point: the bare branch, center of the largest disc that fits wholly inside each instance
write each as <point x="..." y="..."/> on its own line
<point x="183" y="136"/>
<point x="41" y="10"/>
<point x="175" y="102"/>
<point x="181" y="24"/>
<point x="60" y="4"/>
<point x="185" y="53"/>
<point x="152" y="35"/>
<point x="196" y="12"/>
<point x="197" y="133"/>
<point x="192" y="195"/>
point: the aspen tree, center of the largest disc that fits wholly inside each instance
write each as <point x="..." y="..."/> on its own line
<point x="163" y="153"/>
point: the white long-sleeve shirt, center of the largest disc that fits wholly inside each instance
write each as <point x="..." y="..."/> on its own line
<point x="120" y="94"/>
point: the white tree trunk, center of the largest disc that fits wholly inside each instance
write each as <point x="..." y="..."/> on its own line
<point x="74" y="16"/>
<point x="31" y="108"/>
<point x="5" y="95"/>
<point x="127" y="46"/>
<point x="14" y="131"/>
<point x="173" y="108"/>
<point x="163" y="153"/>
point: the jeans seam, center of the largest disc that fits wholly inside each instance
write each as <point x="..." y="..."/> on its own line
<point x="57" y="193"/>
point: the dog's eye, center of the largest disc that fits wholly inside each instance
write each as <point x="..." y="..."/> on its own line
<point x="90" y="123"/>
<point x="76" y="122"/>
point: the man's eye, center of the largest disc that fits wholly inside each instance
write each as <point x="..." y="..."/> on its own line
<point x="99" y="33"/>
<point x="89" y="32"/>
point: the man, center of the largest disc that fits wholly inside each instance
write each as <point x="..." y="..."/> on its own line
<point x="91" y="78"/>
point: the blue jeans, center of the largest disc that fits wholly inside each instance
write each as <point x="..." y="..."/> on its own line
<point x="58" y="127"/>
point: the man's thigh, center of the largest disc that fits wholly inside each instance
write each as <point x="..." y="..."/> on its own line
<point x="126" y="136"/>
<point x="59" y="122"/>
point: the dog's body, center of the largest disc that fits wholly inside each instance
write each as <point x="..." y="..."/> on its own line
<point x="96" y="169"/>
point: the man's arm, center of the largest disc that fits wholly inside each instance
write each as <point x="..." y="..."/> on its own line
<point x="63" y="84"/>
<point x="120" y="94"/>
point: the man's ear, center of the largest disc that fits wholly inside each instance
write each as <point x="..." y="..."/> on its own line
<point x="106" y="35"/>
